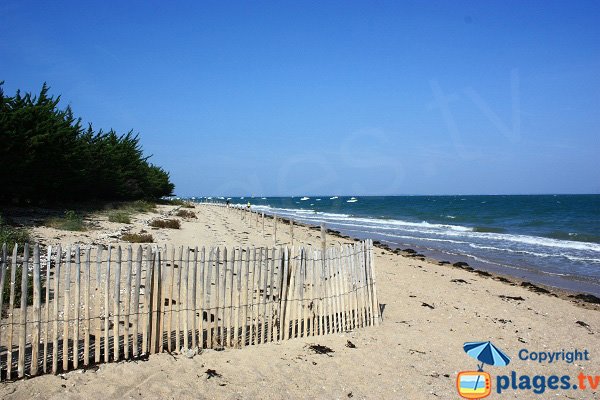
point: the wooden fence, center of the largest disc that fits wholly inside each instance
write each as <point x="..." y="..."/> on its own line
<point x="70" y="308"/>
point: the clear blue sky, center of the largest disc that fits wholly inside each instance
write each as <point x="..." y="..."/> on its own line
<point x="348" y="97"/>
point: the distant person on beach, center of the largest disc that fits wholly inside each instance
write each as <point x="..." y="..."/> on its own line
<point x="248" y="206"/>
<point x="227" y="203"/>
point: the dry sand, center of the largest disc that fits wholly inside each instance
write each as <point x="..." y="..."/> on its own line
<point x="416" y="353"/>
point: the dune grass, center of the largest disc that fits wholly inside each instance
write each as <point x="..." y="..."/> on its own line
<point x="70" y="221"/>
<point x="166" y="223"/>
<point x="138" y="238"/>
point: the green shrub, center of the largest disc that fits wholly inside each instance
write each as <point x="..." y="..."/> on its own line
<point x="178" y="202"/>
<point x="166" y="223"/>
<point x="185" y="214"/>
<point x="141" y="206"/>
<point x="71" y="221"/>
<point x="11" y="235"/>
<point x="138" y="237"/>
<point x="119" y="216"/>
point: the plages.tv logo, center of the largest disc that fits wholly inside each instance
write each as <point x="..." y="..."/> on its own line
<point x="478" y="384"/>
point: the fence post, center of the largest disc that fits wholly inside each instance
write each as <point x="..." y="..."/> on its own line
<point x="291" y="232"/>
<point x="275" y="229"/>
<point x="375" y="299"/>
<point x="323" y="240"/>
<point x="37" y="312"/>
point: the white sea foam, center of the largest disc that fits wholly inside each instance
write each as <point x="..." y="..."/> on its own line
<point x="445" y="231"/>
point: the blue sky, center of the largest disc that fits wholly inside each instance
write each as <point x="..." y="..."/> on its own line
<point x="349" y="97"/>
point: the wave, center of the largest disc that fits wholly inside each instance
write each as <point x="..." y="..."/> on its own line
<point x="427" y="228"/>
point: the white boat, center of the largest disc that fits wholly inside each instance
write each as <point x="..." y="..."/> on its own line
<point x="304" y="198"/>
<point x="352" y="200"/>
<point x="333" y="198"/>
<point x="318" y="199"/>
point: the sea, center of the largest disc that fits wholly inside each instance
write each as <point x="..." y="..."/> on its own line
<point x="548" y="239"/>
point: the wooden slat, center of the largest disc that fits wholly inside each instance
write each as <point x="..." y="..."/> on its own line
<point x="329" y="320"/>
<point x="77" y="310"/>
<point x="359" y="278"/>
<point x="368" y="289"/>
<point x="47" y="309"/>
<point x="127" y="305"/>
<point x="232" y="290"/>
<point x="265" y="267"/>
<point x="2" y="278"/>
<point x="56" y="297"/>
<point x="208" y="284"/>
<point x="299" y="294"/>
<point x="271" y="298"/>
<point x="226" y="290"/>
<point x="11" y="312"/>
<point x="164" y="297"/>
<point x="246" y="263"/>
<point x="356" y="320"/>
<point x="201" y="296"/>
<point x="148" y="298"/>
<point x="23" y="313"/>
<point x="158" y="303"/>
<point x="314" y="297"/>
<point x="179" y="324"/>
<point x="193" y="298"/>
<point x="117" y="307"/>
<point x="171" y="301"/>
<point x="185" y="294"/>
<point x="66" y="310"/>
<point x="291" y="295"/>
<point x="251" y="297"/>
<point x="320" y="301"/>
<point x="37" y="312"/>
<point x="283" y="300"/>
<point x="338" y="290"/>
<point x="374" y="284"/>
<point x="136" y="299"/>
<point x="86" y="308"/>
<point x="98" y="305"/>
<point x="259" y="275"/>
<point x="304" y="298"/>
<point x="106" y="305"/>
<point x="216" y="337"/>
<point x="344" y="266"/>
<point x="238" y="300"/>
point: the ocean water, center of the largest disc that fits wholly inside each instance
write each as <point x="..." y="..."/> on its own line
<point x="550" y="239"/>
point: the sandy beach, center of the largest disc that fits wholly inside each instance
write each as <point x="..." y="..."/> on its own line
<point x="429" y="312"/>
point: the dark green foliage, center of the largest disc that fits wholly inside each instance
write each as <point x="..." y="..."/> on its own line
<point x="10" y="235"/>
<point x="48" y="157"/>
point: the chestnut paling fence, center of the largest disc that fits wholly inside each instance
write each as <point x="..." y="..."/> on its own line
<point x="67" y="308"/>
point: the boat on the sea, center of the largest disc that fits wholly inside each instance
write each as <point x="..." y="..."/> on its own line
<point x="333" y="198"/>
<point x="304" y="198"/>
<point x="352" y="200"/>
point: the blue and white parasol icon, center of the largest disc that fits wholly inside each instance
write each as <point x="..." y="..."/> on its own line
<point x="486" y="353"/>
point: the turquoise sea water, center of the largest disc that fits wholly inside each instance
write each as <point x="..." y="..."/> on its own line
<point x="551" y="239"/>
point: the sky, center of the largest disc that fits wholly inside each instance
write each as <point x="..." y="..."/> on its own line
<point x="328" y="97"/>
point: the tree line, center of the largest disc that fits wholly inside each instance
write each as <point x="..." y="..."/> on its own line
<point x="48" y="156"/>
